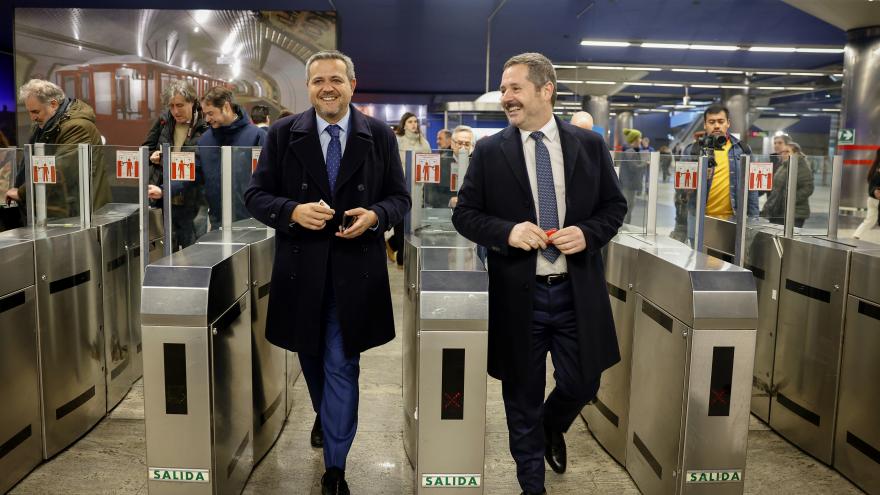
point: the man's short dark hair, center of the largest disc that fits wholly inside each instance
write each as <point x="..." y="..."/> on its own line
<point x="260" y="114"/>
<point x="716" y="108"/>
<point x="446" y="132"/>
<point x="217" y="96"/>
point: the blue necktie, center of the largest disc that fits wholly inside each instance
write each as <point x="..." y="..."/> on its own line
<point x="334" y="155"/>
<point x="549" y="216"/>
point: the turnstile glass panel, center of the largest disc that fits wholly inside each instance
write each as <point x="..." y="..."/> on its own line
<point x="632" y="170"/>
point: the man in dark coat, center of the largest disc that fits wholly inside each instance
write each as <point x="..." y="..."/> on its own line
<point x="330" y="297"/>
<point x="547" y="289"/>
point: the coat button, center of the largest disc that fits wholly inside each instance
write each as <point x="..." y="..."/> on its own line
<point x="361" y="187"/>
<point x="295" y="249"/>
<point x="272" y="216"/>
<point x="366" y="275"/>
<point x="293" y="276"/>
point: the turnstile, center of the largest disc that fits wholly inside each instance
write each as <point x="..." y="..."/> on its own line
<point x="21" y="446"/>
<point x="70" y="336"/>
<point x="693" y="352"/>
<point x="719" y="238"/>
<point x="444" y="363"/>
<point x="813" y="291"/>
<point x="857" y="439"/>
<point x="269" y="361"/>
<point x="607" y="416"/>
<point x="135" y="277"/>
<point x="197" y="371"/>
<point x="111" y="224"/>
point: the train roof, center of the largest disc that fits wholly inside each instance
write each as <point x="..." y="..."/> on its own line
<point x="130" y="59"/>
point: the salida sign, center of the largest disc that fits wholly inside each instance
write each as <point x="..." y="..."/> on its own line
<point x="184" y="475"/>
<point x="720" y="476"/>
<point x="450" y="480"/>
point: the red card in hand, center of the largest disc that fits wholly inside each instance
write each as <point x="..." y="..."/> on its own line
<point x="549" y="233"/>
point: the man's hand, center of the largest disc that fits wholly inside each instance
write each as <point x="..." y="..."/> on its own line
<point x="12" y="195"/>
<point x="453" y="201"/>
<point x="527" y="236"/>
<point x="154" y="192"/>
<point x="312" y="216"/>
<point x="364" y="219"/>
<point x="156" y="157"/>
<point x="569" y="240"/>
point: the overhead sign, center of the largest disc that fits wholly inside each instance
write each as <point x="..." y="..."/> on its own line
<point x="183" y="165"/>
<point x="428" y="168"/>
<point x="255" y="158"/>
<point x="846" y="136"/>
<point x="450" y="480"/>
<point x="686" y="175"/>
<point x="719" y="476"/>
<point x="760" y="176"/>
<point x="43" y="169"/>
<point x="127" y="164"/>
<point x="183" y="475"/>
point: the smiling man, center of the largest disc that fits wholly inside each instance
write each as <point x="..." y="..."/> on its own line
<point x="330" y="183"/>
<point x="543" y="196"/>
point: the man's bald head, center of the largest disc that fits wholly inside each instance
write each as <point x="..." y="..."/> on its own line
<point x="583" y="120"/>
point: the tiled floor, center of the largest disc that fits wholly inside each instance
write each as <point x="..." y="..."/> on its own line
<point x="110" y="459"/>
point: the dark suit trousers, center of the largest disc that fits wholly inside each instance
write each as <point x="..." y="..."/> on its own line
<point x="554" y="330"/>
<point x="332" y="380"/>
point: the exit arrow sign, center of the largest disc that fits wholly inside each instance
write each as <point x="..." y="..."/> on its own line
<point x="846" y="136"/>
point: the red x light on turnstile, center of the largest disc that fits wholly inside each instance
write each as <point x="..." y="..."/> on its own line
<point x="452" y="400"/>
<point x="721" y="381"/>
<point x="452" y="384"/>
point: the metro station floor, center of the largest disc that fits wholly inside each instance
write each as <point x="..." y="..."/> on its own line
<point x="111" y="458"/>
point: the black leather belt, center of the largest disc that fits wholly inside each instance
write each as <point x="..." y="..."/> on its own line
<point x="554" y="279"/>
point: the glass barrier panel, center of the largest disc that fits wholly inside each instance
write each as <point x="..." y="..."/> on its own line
<point x="436" y="179"/>
<point x="677" y="199"/>
<point x="632" y="170"/>
<point x="11" y="177"/>
<point x="120" y="168"/>
<point x="194" y="177"/>
<point x="56" y="185"/>
<point x="244" y="162"/>
<point x="813" y="196"/>
<point x="666" y="194"/>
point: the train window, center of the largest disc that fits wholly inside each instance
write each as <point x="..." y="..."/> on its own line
<point x="69" y="86"/>
<point x="84" y="87"/>
<point x="152" y="94"/>
<point x="103" y="104"/>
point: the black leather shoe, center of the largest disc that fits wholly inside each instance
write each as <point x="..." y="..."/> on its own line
<point x="333" y="483"/>
<point x="554" y="450"/>
<point x="534" y="493"/>
<point x="317" y="433"/>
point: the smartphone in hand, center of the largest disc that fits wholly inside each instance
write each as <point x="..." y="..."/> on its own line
<point x="347" y="221"/>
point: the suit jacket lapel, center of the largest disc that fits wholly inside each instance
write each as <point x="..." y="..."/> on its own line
<point x="511" y="146"/>
<point x="357" y="147"/>
<point x="306" y="147"/>
<point x="569" y="150"/>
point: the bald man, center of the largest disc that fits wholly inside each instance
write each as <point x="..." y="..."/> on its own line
<point x="583" y="120"/>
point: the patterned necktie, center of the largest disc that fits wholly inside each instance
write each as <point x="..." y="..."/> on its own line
<point x="334" y="155"/>
<point x="549" y="216"/>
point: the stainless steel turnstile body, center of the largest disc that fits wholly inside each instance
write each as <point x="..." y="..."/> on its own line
<point x="197" y="371"/>
<point x="608" y="415"/>
<point x="135" y="277"/>
<point x="763" y="258"/>
<point x="813" y="291"/>
<point x="444" y="363"/>
<point x="719" y="238"/>
<point x="269" y="361"/>
<point x="693" y="351"/>
<point x="21" y="434"/>
<point x="70" y="321"/>
<point x="857" y="439"/>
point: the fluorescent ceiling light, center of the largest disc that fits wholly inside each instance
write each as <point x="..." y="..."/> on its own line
<point x="734" y="86"/>
<point x="763" y="108"/>
<point x="613" y="114"/>
<point x="570" y="103"/>
<point x="649" y="69"/>
<point x="830" y="109"/>
<point x="680" y="46"/>
<point x="837" y="75"/>
<point x="638" y="83"/>
<point x="772" y="88"/>
<point x="780" y="49"/>
<point x="726" y="48"/>
<point x="565" y="93"/>
<point x="704" y="85"/>
<point x="819" y="50"/>
<point x="669" y="85"/>
<point x="606" y="83"/>
<point x="725" y="71"/>
<point x="804" y="74"/>
<point x="766" y="73"/>
<point x="565" y="67"/>
<point x="602" y="67"/>
<point x="620" y="104"/>
<point x="800" y="88"/>
<point x="788" y="115"/>
<point x="568" y="81"/>
<point x="689" y="70"/>
<point x="604" y="43"/>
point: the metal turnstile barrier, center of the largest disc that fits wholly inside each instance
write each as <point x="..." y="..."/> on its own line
<point x="269" y="361"/>
<point x="197" y="371"/>
<point x="812" y="305"/>
<point x="156" y="238"/>
<point x="857" y="439"/>
<point x="692" y="360"/>
<point x="607" y="416"/>
<point x="70" y="331"/>
<point x="21" y="433"/>
<point x="445" y="343"/>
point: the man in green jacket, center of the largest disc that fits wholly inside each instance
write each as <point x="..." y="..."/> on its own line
<point x="61" y="123"/>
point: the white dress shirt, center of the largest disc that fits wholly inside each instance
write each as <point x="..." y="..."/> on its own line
<point x="324" y="136"/>
<point x="554" y="146"/>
